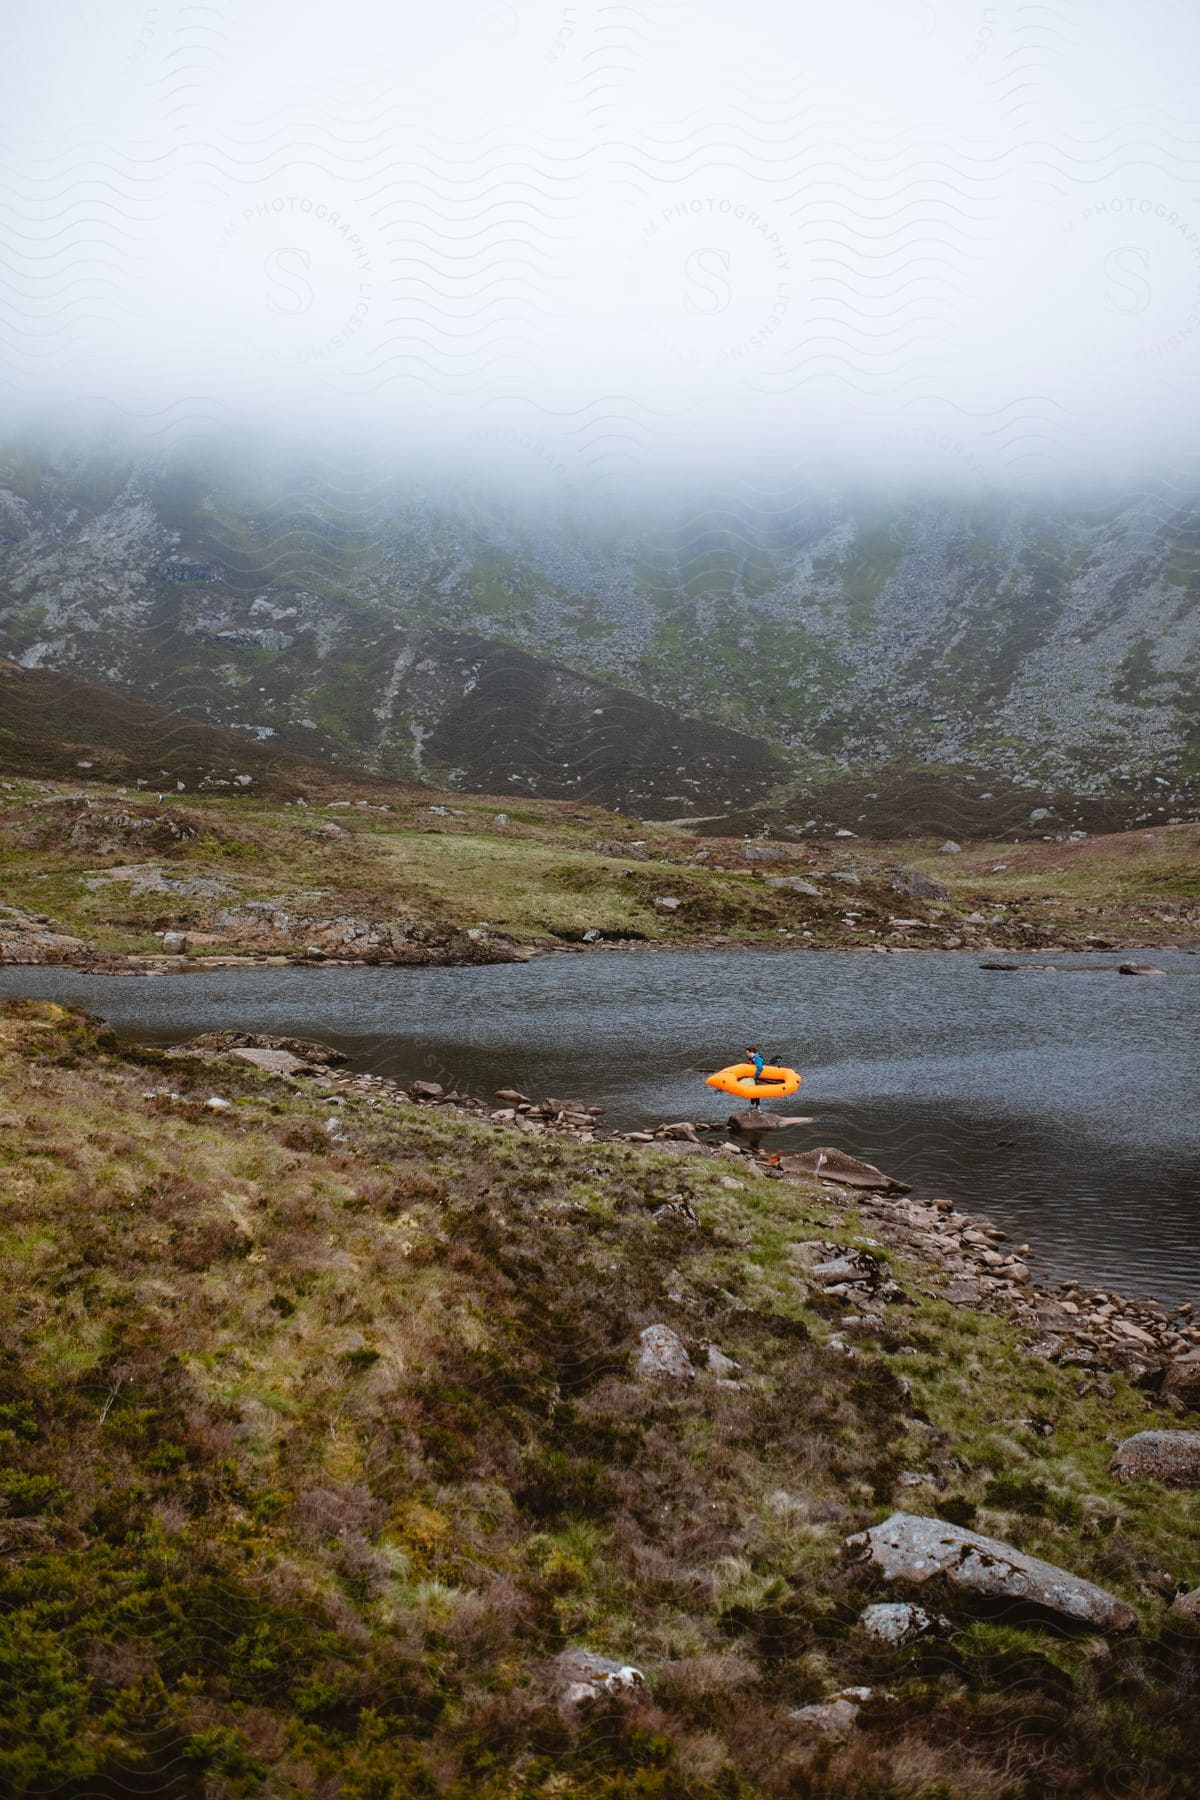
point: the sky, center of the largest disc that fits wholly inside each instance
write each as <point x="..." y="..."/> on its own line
<point x="589" y="245"/>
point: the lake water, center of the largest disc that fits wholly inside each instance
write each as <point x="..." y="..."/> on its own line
<point x="1063" y="1106"/>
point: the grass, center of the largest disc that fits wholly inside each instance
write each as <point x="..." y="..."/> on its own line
<point x="315" y="1453"/>
<point x="430" y="865"/>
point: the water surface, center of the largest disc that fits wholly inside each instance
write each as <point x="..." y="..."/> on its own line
<point x="1064" y="1106"/>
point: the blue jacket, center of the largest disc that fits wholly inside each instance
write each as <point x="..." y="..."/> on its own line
<point x="757" y="1060"/>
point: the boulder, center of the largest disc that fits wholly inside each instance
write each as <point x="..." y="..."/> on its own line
<point x="721" y="1365"/>
<point x="837" y="1165"/>
<point x="949" y="848"/>
<point x="426" y="1090"/>
<point x="1171" y="1457"/>
<point x="899" y="1621"/>
<point x="662" y="1356"/>
<point x="834" y="1717"/>
<point x="1139" y="969"/>
<point x="794" y="884"/>
<point x="765" y="852"/>
<point x="513" y="1096"/>
<point x="580" y="1676"/>
<point x="755" y="1124"/>
<point x="916" y="885"/>
<point x="1187" y="1606"/>
<point x="667" y="903"/>
<point x="911" y="1550"/>
<point x="1182" y="1380"/>
<point x="174" y="943"/>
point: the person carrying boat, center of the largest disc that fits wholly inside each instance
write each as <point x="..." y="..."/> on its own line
<point x="755" y="1056"/>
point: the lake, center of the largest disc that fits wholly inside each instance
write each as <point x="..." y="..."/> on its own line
<point x="1063" y="1106"/>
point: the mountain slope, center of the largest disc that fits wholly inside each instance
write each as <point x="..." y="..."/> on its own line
<point x="1051" y="647"/>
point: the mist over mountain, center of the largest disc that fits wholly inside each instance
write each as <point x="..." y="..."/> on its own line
<point x="682" y="658"/>
<point x="627" y="401"/>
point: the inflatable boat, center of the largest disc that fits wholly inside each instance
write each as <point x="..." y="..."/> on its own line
<point x="738" y="1079"/>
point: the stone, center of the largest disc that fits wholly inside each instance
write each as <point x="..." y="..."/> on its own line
<point x="216" y="1104"/>
<point x="273" y="1062"/>
<point x="765" y="852"/>
<point x="846" y="877"/>
<point x="837" y="1165"/>
<point x="899" y="1621"/>
<point x="512" y="1095"/>
<point x="681" y="1130"/>
<point x="174" y="943"/>
<point x="581" y="1676"/>
<point x="912" y="1550"/>
<point x="949" y="848"/>
<point x="722" y="1365"/>
<point x="426" y="1090"/>
<point x="916" y="885"/>
<point x="1187" y="1606"/>
<point x="667" y="903"/>
<point x="794" y="884"/>
<point x="834" y="1717"/>
<point x="1182" y="1380"/>
<point x="752" y="1123"/>
<point x="662" y="1356"/>
<point x="1139" y="969"/>
<point x="1171" y="1457"/>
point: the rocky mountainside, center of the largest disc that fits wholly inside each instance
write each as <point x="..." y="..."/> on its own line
<point x="673" y="662"/>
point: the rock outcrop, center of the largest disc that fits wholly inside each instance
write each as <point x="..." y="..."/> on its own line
<point x="913" y="1551"/>
<point x="25" y="939"/>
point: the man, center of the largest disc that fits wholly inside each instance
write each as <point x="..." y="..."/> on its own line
<point x="755" y="1056"/>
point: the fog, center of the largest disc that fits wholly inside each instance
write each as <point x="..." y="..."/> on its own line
<point x="583" y="246"/>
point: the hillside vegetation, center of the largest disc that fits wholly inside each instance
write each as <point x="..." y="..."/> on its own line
<point x="395" y="873"/>
<point x="322" y="1439"/>
<point x="664" y="658"/>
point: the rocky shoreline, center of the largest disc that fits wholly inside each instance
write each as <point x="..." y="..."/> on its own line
<point x="29" y="940"/>
<point x="966" y="1259"/>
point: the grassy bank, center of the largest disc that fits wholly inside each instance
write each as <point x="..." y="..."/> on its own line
<point x="400" y="873"/>
<point x="321" y="1439"/>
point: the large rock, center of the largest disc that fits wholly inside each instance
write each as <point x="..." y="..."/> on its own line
<point x="1172" y="1457"/>
<point x="753" y="1123"/>
<point x="913" y="1551"/>
<point x="837" y="1165"/>
<point x="917" y="885"/>
<point x="1187" y="1606"/>
<point x="766" y="852"/>
<point x="1182" y="1380"/>
<point x="662" y="1356"/>
<point x="794" y="884"/>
